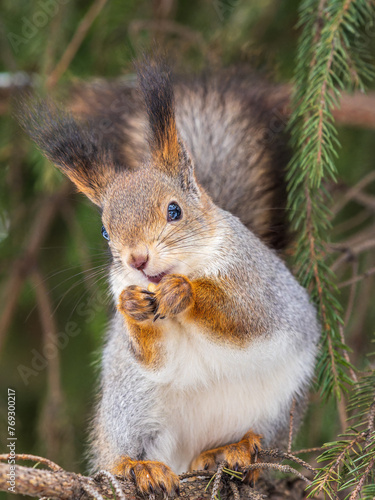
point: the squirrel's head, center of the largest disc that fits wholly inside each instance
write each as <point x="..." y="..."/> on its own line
<point x="156" y="217"/>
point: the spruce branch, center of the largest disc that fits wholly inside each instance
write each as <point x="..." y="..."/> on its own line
<point x="329" y="60"/>
<point x="350" y="461"/>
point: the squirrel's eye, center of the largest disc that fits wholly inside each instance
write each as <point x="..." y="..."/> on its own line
<point x="104" y="233"/>
<point x="174" y="212"/>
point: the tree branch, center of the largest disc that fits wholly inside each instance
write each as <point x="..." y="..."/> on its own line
<point x="76" y="42"/>
<point x="24" y="264"/>
<point x="60" y="484"/>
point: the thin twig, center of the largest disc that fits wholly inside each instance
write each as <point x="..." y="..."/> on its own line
<point x="352" y="222"/>
<point x="54" y="426"/>
<point x="346" y="356"/>
<point x="371" y="418"/>
<point x="349" y="306"/>
<point x="236" y="493"/>
<point x="283" y="468"/>
<point x="363" y="306"/>
<point x="33" y="458"/>
<point x="349" y="309"/>
<point x="341" y="407"/>
<point x="11" y="293"/>
<point x="357" y="278"/>
<point x="308" y="450"/>
<point x="75" y="42"/>
<point x="353" y="252"/>
<point x="81" y="245"/>
<point x="54" y="33"/>
<point x="359" y="486"/>
<point x="352" y="192"/>
<point x="286" y="456"/>
<point x="195" y="473"/>
<point x="91" y="490"/>
<point x="327" y="475"/>
<point x="367" y="200"/>
<point x="112" y="481"/>
<point x="291" y="419"/>
<point x="167" y="26"/>
<point x="24" y="264"/>
<point x="49" y="330"/>
<point x="358" y="238"/>
<point x="254" y="494"/>
<point x="217" y="481"/>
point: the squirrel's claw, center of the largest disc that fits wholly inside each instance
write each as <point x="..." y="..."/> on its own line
<point x="149" y="476"/>
<point x="238" y="456"/>
<point x="256" y="451"/>
<point x="137" y="303"/>
<point x="174" y="294"/>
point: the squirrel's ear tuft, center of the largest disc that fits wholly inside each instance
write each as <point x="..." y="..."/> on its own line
<point x="156" y="85"/>
<point x="72" y="146"/>
<point x="167" y="149"/>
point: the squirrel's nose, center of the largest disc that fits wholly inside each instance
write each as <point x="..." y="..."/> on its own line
<point x="138" y="261"/>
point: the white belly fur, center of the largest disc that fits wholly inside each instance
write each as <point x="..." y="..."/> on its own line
<point x="212" y="395"/>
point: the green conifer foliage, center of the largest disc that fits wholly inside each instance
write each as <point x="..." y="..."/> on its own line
<point x="329" y="60"/>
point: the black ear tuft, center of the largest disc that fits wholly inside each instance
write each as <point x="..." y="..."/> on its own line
<point x="74" y="147"/>
<point x="155" y="82"/>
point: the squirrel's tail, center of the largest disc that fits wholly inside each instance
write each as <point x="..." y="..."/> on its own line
<point x="235" y="130"/>
<point x="233" y="127"/>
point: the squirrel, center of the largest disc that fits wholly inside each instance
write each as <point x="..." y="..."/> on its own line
<point x="213" y="339"/>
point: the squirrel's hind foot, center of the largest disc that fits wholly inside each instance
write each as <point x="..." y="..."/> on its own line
<point x="237" y="456"/>
<point x="150" y="477"/>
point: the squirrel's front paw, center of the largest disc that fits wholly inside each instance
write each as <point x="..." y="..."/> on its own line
<point x="137" y="303"/>
<point x="150" y="477"/>
<point x="174" y="294"/>
<point x="237" y="456"/>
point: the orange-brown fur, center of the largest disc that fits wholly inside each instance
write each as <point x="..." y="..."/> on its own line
<point x="237" y="456"/>
<point x="216" y="310"/>
<point x="150" y="476"/>
<point x="173" y="295"/>
<point x="168" y="154"/>
<point x="137" y="305"/>
<point x="147" y="343"/>
<point x="206" y="302"/>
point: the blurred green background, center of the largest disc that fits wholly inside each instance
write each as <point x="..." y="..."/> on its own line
<point x="56" y="282"/>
